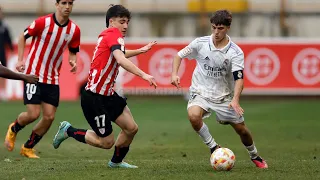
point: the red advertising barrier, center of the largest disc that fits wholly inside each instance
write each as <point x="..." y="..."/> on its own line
<point x="279" y="68"/>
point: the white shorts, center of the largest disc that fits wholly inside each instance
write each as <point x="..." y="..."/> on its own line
<point x="224" y="115"/>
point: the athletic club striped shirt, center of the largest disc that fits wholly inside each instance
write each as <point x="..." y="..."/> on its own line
<point x="104" y="67"/>
<point x="49" y="40"/>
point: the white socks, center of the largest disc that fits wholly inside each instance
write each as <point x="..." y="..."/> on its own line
<point x="209" y="141"/>
<point x="252" y="150"/>
<point x="206" y="136"/>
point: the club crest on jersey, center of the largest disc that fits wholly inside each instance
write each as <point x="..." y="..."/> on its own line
<point x="226" y="62"/>
<point x="67" y="37"/>
<point x="32" y="25"/>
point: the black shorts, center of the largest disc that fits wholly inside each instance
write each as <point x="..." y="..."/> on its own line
<point x="101" y="110"/>
<point x="40" y="92"/>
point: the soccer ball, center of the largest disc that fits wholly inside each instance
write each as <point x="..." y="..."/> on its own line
<point x="222" y="159"/>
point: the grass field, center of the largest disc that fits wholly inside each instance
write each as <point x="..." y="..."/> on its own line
<point x="286" y="133"/>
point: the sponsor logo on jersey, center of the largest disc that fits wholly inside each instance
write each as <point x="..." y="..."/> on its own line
<point x="216" y="71"/>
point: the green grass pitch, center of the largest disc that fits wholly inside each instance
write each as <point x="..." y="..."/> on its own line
<point x="286" y="133"/>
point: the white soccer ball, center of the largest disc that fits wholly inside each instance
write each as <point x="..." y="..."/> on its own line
<point x="222" y="159"/>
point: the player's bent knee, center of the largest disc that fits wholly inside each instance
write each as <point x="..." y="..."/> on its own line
<point x="196" y="122"/>
<point x="106" y="144"/>
<point x="49" y="117"/>
<point x="34" y="115"/>
<point x="194" y="117"/>
<point x="132" y="130"/>
<point x="33" y="111"/>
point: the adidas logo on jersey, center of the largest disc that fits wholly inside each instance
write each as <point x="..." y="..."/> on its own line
<point x="207" y="58"/>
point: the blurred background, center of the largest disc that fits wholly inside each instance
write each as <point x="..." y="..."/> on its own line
<point x="279" y="39"/>
<point x="181" y="18"/>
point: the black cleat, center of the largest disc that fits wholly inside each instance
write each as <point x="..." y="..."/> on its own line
<point x="214" y="148"/>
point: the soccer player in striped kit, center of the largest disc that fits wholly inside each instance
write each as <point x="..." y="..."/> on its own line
<point x="217" y="83"/>
<point x="101" y="105"/>
<point x="51" y="35"/>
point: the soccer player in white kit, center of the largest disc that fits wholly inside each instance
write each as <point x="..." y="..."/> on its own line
<point x="217" y="83"/>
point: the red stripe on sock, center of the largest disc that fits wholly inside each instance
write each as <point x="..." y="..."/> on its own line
<point x="32" y="138"/>
<point x="80" y="133"/>
<point x="118" y="152"/>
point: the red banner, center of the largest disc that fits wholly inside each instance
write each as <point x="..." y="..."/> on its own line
<point x="270" y="68"/>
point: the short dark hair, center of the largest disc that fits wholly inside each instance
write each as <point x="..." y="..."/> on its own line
<point x="60" y="0"/>
<point x="221" y="17"/>
<point x="117" y="11"/>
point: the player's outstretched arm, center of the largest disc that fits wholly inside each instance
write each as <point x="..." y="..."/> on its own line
<point x="188" y="52"/>
<point x="175" y="79"/>
<point x="129" y="66"/>
<point x="21" y="45"/>
<point x="144" y="49"/>
<point x="7" y="73"/>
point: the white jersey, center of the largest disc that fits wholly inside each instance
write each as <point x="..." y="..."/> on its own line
<point x="213" y="75"/>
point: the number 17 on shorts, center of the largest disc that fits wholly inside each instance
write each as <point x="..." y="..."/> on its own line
<point x="101" y="123"/>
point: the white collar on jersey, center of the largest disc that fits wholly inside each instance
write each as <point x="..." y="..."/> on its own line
<point x="224" y="49"/>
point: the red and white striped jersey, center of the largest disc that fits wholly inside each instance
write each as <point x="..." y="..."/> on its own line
<point x="104" y="67"/>
<point x="49" y="41"/>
